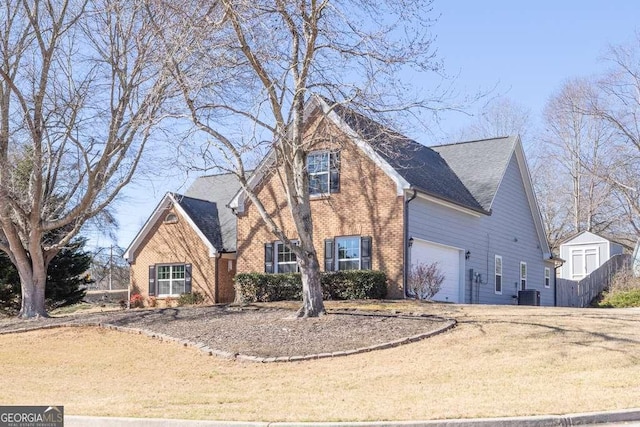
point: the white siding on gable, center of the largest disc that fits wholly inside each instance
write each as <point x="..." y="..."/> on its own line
<point x="509" y="232"/>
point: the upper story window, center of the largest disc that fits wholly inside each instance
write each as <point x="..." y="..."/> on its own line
<point x="171" y="218"/>
<point x="323" y="168"/>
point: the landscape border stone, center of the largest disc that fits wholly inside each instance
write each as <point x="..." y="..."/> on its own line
<point x="447" y="325"/>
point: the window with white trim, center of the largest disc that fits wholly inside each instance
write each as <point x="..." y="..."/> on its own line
<point x="523" y="275"/>
<point x="348" y="253"/>
<point x="547" y="277"/>
<point x="498" y="274"/>
<point x="171" y="279"/>
<point x="286" y="261"/>
<point x="323" y="168"/>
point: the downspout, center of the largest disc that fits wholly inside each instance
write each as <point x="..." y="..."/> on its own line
<point x="216" y="279"/>
<point x="405" y="255"/>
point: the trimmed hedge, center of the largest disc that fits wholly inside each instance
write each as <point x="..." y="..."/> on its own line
<point x="336" y="285"/>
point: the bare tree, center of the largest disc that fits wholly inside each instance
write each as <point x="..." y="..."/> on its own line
<point x="247" y="68"/>
<point x="501" y="117"/>
<point x="576" y="144"/>
<point x="617" y="103"/>
<point x="80" y="89"/>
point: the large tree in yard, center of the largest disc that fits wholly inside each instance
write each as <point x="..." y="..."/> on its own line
<point x="247" y="68"/>
<point x="80" y="90"/>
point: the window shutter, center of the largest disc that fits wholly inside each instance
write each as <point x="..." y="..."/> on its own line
<point x="334" y="172"/>
<point x="152" y="280"/>
<point x="365" y="253"/>
<point x="328" y="255"/>
<point x="268" y="257"/>
<point x="187" y="278"/>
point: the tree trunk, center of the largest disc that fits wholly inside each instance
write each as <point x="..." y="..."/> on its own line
<point x="33" y="279"/>
<point x="312" y="305"/>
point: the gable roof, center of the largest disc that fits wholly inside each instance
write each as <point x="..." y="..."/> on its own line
<point x="423" y="168"/>
<point x="207" y="214"/>
<point x="480" y="164"/>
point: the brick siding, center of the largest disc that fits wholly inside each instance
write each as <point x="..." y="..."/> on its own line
<point x="169" y="243"/>
<point x="367" y="205"/>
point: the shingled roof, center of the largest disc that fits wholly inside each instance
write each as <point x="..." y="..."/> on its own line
<point x="480" y="164"/>
<point x="218" y="190"/>
<point x="205" y="208"/>
<point x="422" y="167"/>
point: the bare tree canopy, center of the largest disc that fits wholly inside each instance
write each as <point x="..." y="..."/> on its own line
<point x="81" y="87"/>
<point x="247" y="68"/>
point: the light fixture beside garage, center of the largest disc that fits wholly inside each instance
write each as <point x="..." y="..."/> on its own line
<point x="467" y="255"/>
<point x="410" y="241"/>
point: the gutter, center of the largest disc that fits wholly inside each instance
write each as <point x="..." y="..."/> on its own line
<point x="405" y="254"/>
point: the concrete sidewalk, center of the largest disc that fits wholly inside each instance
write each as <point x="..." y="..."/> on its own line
<point x="624" y="417"/>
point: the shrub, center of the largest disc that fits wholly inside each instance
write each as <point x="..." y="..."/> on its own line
<point x="425" y="280"/>
<point x="354" y="284"/>
<point x="152" y="301"/>
<point x="338" y="285"/>
<point x="621" y="299"/>
<point x="192" y="298"/>
<point x="136" y="301"/>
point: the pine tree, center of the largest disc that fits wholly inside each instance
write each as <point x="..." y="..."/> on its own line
<point x="66" y="278"/>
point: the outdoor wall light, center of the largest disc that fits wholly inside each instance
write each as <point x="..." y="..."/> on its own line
<point x="467" y="255"/>
<point x="410" y="241"/>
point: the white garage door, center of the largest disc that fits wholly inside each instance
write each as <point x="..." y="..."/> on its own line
<point x="448" y="260"/>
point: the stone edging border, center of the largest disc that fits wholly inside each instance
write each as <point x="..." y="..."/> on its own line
<point x="448" y="324"/>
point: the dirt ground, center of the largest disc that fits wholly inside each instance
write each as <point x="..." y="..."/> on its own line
<point x="259" y="331"/>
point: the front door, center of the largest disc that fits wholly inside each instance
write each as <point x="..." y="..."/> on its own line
<point x="583" y="261"/>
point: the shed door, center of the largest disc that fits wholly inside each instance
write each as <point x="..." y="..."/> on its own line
<point x="584" y="261"/>
<point x="448" y="260"/>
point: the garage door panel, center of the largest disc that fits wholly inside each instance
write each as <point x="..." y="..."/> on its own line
<point x="448" y="260"/>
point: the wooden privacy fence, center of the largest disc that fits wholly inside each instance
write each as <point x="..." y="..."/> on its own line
<point x="572" y="293"/>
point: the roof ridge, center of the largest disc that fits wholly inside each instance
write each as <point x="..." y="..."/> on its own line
<point x="473" y="140"/>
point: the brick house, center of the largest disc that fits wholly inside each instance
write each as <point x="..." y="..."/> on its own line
<point x="188" y="244"/>
<point x="385" y="202"/>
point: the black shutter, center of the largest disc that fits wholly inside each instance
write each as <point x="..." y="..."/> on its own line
<point x="187" y="278"/>
<point x="365" y="253"/>
<point x="334" y="172"/>
<point x="152" y="280"/>
<point x="268" y="257"/>
<point x="328" y="255"/>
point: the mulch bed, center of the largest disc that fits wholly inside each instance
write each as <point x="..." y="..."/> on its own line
<point x="261" y="332"/>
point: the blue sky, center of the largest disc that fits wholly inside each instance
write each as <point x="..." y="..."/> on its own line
<point x="526" y="49"/>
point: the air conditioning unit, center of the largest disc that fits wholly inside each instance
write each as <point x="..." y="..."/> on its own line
<point x="529" y="297"/>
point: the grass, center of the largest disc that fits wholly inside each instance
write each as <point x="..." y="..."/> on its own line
<point x="498" y="361"/>
<point x="624" y="292"/>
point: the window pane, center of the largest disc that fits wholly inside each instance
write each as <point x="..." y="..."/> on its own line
<point x="178" y="287"/>
<point x="287" y="268"/>
<point x="349" y="265"/>
<point x="349" y="248"/>
<point x="318" y="162"/>
<point x="178" y="272"/>
<point x="498" y="283"/>
<point x="319" y="183"/>
<point x="164" y="272"/>
<point x="164" y="287"/>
